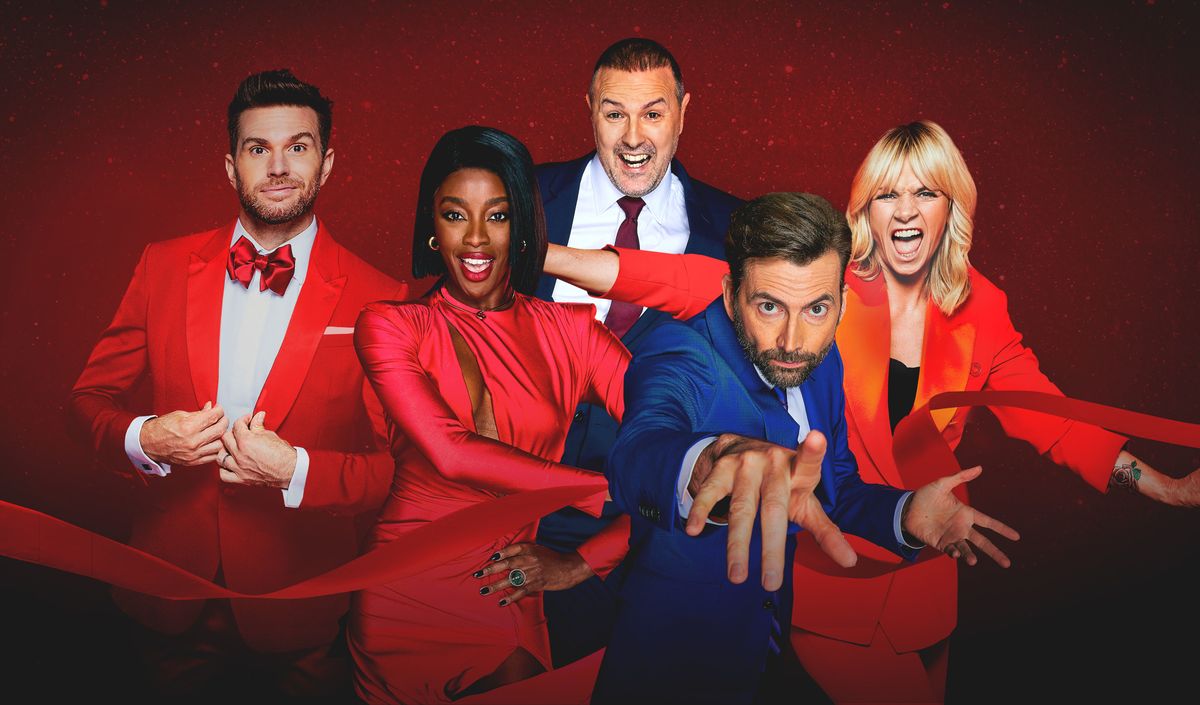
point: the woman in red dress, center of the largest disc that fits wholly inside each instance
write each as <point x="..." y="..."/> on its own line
<point x="919" y="321"/>
<point x="478" y="380"/>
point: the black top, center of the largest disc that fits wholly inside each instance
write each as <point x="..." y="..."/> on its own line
<point x="902" y="390"/>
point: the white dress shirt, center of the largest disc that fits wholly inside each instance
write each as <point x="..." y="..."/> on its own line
<point x="253" y="324"/>
<point x="662" y="224"/>
<point x="799" y="414"/>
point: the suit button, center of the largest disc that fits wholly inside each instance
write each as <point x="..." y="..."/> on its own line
<point x="578" y="417"/>
<point x="768" y="604"/>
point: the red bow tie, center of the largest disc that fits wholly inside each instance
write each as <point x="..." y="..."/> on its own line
<point x="277" y="268"/>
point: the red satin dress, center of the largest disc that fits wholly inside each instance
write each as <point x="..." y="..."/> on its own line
<point x="415" y="640"/>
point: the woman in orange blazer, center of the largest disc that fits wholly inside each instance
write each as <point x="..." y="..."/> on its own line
<point x="919" y="321"/>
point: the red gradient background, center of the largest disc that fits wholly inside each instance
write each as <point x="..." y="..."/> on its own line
<point x="1078" y="122"/>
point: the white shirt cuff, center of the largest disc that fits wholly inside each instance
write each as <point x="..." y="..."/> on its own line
<point x="683" y="498"/>
<point x="137" y="456"/>
<point x="896" y="523"/>
<point x="294" y="494"/>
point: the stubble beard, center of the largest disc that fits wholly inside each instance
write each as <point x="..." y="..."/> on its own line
<point x="762" y="359"/>
<point x="270" y="214"/>
<point x="613" y="169"/>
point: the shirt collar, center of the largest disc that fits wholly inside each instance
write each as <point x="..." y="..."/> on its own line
<point x="302" y="245"/>
<point x="605" y="195"/>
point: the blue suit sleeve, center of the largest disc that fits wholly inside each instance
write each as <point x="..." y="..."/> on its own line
<point x="667" y="394"/>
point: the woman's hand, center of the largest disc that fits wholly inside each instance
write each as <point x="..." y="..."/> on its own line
<point x="543" y="568"/>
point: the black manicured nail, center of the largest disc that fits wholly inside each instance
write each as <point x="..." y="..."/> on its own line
<point x="484" y="590"/>
<point x="495" y="556"/>
<point x="503" y="602"/>
<point x="477" y="574"/>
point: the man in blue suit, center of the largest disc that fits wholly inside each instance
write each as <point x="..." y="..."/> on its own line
<point x="631" y="192"/>
<point x="741" y="408"/>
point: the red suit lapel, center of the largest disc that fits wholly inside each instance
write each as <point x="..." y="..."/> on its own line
<point x="319" y="296"/>
<point x="205" y="291"/>
<point x="864" y="340"/>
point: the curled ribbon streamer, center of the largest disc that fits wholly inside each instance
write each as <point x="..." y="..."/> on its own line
<point x="918" y="447"/>
<point x="35" y="537"/>
<point x="922" y="454"/>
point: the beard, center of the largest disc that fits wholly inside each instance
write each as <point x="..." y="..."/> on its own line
<point x="276" y="214"/>
<point x="617" y="178"/>
<point x="762" y="359"/>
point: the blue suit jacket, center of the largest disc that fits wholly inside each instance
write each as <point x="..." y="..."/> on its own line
<point x="683" y="631"/>
<point x="579" y="619"/>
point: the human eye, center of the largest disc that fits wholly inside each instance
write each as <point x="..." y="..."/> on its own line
<point x="613" y="115"/>
<point x="453" y="215"/>
<point x="499" y="217"/>
<point x="258" y="150"/>
<point x="886" y="196"/>
<point x="769" y="308"/>
<point x="818" y="310"/>
<point x="653" y="115"/>
<point x="927" y="194"/>
<point x="298" y="148"/>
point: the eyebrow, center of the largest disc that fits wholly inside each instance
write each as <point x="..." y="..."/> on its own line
<point x="463" y="203"/>
<point x="295" y="138"/>
<point x="823" y="298"/>
<point x="615" y="104"/>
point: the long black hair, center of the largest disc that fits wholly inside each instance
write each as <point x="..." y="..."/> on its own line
<point x="476" y="147"/>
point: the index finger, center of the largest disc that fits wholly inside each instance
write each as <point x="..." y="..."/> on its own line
<point x="716" y="487"/>
<point x="210" y="415"/>
<point x="242" y="426"/>
<point x="806" y="465"/>
<point x="229" y="442"/>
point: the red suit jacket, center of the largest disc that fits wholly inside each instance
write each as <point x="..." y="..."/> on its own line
<point x="167" y="330"/>
<point x="976" y="348"/>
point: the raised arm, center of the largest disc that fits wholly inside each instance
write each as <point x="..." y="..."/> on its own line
<point x="681" y="285"/>
<point x="386" y="339"/>
<point x="1093" y="453"/>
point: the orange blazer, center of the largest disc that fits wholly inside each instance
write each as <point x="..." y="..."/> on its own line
<point x="166" y="331"/>
<point x="977" y="348"/>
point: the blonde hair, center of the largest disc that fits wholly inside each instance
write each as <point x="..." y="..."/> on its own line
<point x="940" y="166"/>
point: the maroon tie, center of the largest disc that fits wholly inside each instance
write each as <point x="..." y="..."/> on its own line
<point x="277" y="268"/>
<point x="622" y="316"/>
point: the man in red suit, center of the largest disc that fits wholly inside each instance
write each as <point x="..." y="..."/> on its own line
<point x="261" y="441"/>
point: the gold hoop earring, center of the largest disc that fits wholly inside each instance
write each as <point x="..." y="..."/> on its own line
<point x="433" y="243"/>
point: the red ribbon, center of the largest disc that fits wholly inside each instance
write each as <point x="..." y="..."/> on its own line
<point x="31" y="536"/>
<point x="35" y="537"/>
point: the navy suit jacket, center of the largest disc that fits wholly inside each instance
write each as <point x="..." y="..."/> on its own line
<point x="683" y="631"/>
<point x="592" y="429"/>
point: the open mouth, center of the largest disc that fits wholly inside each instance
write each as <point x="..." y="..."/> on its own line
<point x="635" y="161"/>
<point x="476" y="266"/>
<point x="906" y="242"/>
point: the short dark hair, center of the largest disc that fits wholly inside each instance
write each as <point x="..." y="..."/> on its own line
<point x="638" y="54"/>
<point x="798" y="227"/>
<point x="475" y="147"/>
<point x="279" y="87"/>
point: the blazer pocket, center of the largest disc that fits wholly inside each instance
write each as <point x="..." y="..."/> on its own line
<point x="334" y="341"/>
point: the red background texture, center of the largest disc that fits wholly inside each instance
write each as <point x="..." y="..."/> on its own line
<point x="1077" y="121"/>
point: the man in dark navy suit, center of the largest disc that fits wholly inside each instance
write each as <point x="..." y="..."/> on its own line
<point x="630" y="192"/>
<point x="742" y="407"/>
